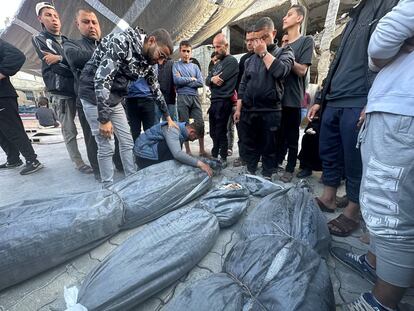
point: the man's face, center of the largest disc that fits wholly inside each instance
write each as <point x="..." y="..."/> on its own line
<point x="249" y="41"/>
<point x="220" y="48"/>
<point x="156" y="53"/>
<point x="266" y="34"/>
<point x="50" y="19"/>
<point x="185" y="53"/>
<point x="192" y="136"/>
<point x="292" y="18"/>
<point x="88" y="25"/>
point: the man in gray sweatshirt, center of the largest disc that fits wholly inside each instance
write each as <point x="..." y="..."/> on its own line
<point x="387" y="187"/>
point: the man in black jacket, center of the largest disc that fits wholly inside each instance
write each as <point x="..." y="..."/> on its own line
<point x="58" y="78"/>
<point x="77" y="53"/>
<point x="222" y="81"/>
<point x="259" y="99"/>
<point x="343" y="100"/>
<point x="13" y="138"/>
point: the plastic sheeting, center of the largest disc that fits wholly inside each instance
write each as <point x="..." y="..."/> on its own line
<point x="263" y="274"/>
<point x="293" y="214"/>
<point x="227" y="202"/>
<point x="159" y="189"/>
<point x="259" y="186"/>
<point x="274" y="265"/>
<point x="185" y="20"/>
<point x="38" y="235"/>
<point x="160" y="254"/>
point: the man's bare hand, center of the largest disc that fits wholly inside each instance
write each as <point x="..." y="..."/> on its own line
<point x="236" y="116"/>
<point x="2" y="76"/>
<point x="171" y="123"/>
<point x="361" y="118"/>
<point x="313" y="112"/>
<point x="217" y="80"/>
<point x="106" y="129"/>
<point x="51" y="59"/>
<point x="205" y="167"/>
<point x="177" y="74"/>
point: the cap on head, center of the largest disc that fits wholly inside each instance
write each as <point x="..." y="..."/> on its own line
<point x="42" y="5"/>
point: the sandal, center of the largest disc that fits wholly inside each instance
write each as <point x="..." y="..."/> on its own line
<point x="345" y="225"/>
<point x="323" y="207"/>
<point x="85" y="169"/>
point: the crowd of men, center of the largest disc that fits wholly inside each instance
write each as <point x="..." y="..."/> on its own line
<point x="125" y="82"/>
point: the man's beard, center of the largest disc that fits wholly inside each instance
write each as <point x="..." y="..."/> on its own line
<point x="220" y="56"/>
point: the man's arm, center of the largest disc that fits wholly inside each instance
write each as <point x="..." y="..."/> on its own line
<point x="50" y="58"/>
<point x="198" y="82"/>
<point x="391" y="34"/>
<point x="282" y="65"/>
<point x="12" y="59"/>
<point x="152" y="80"/>
<point x="76" y="57"/>
<point x="300" y="68"/>
<point x="230" y="70"/>
<point x="173" y="141"/>
<point x="179" y="80"/>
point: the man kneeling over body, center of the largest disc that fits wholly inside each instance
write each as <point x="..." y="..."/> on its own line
<point x="160" y="143"/>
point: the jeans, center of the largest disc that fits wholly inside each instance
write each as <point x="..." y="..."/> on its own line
<point x="65" y="108"/>
<point x="91" y="147"/>
<point x="13" y="138"/>
<point x="337" y="149"/>
<point x="105" y="148"/>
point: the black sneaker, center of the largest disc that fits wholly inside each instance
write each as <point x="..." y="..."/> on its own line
<point x="31" y="167"/>
<point x="11" y="165"/>
<point x="358" y="263"/>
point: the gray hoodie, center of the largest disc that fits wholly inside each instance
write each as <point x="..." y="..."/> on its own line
<point x="392" y="91"/>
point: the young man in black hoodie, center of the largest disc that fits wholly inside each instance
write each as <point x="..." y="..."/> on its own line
<point x="260" y="94"/>
<point x="13" y="138"/>
<point x="58" y="78"/>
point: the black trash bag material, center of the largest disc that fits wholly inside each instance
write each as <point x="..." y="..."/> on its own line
<point x="263" y="274"/>
<point x="290" y="213"/>
<point x="40" y="234"/>
<point x="148" y="261"/>
<point x="227" y="201"/>
<point x="159" y="189"/>
<point x="258" y="186"/>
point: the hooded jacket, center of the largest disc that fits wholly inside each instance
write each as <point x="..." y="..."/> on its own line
<point x="116" y="61"/>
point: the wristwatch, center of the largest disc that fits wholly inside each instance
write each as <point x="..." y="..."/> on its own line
<point x="262" y="55"/>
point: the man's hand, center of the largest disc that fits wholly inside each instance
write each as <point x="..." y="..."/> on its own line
<point x="2" y="76"/>
<point x="361" y="118"/>
<point x="259" y="46"/>
<point x="177" y="74"/>
<point x="217" y="80"/>
<point x="193" y="79"/>
<point x="171" y="123"/>
<point x="205" y="167"/>
<point x="236" y="116"/>
<point x="106" y="129"/>
<point x="51" y="59"/>
<point x="313" y="111"/>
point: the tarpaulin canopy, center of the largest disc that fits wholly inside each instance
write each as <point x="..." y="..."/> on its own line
<point x="184" y="19"/>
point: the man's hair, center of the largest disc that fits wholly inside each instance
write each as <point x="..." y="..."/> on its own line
<point x="42" y="101"/>
<point x="300" y="9"/>
<point x="250" y="28"/>
<point x="163" y="38"/>
<point x="198" y="127"/>
<point x="264" y="23"/>
<point x="87" y="10"/>
<point x="185" y="43"/>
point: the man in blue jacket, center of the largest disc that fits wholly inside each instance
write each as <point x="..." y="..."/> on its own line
<point x="160" y="143"/>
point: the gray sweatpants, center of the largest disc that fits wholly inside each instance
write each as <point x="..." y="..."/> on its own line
<point x="105" y="148"/>
<point x="387" y="194"/>
<point x="65" y="109"/>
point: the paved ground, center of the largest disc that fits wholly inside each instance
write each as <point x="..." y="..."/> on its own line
<point x="45" y="291"/>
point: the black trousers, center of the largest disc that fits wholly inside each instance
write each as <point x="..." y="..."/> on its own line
<point x="91" y="147"/>
<point x="164" y="154"/>
<point x="309" y="154"/>
<point x="13" y="138"/>
<point x="259" y="139"/>
<point x="140" y="112"/>
<point x="288" y="137"/>
<point x="218" y="115"/>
